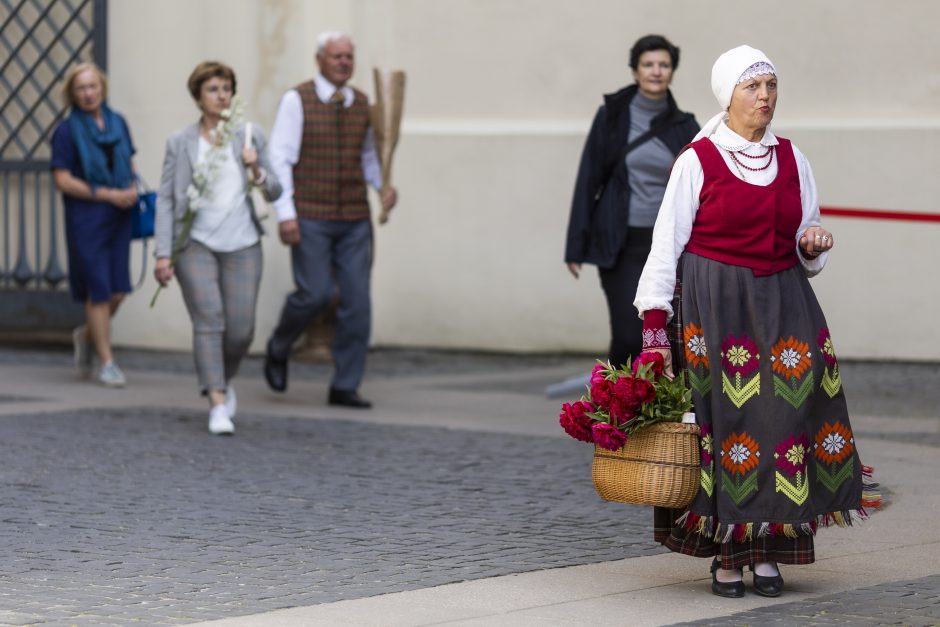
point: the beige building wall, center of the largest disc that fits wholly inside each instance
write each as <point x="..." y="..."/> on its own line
<point x="500" y="96"/>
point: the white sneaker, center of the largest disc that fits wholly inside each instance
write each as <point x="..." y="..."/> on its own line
<point x="220" y="423"/>
<point x="83" y="352"/>
<point x="110" y="375"/>
<point x="231" y="402"/>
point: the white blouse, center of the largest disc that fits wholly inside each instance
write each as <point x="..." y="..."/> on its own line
<point x="680" y="204"/>
<point x="223" y="224"/>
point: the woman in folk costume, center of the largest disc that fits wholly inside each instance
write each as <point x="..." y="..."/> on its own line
<point x="740" y="226"/>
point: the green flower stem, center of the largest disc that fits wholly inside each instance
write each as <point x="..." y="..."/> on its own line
<point x="204" y="175"/>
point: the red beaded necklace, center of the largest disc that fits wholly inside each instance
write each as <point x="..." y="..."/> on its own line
<point x="744" y="154"/>
<point x="770" y="151"/>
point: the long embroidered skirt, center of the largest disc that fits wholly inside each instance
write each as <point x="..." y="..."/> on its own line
<point x="778" y="457"/>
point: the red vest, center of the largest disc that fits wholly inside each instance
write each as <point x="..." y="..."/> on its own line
<point x="748" y="225"/>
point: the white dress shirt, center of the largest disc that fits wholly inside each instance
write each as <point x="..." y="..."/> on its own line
<point x="681" y="202"/>
<point x="287" y="134"/>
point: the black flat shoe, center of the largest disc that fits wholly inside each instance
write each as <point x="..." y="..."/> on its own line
<point x="348" y="398"/>
<point x="275" y="371"/>
<point x="767" y="586"/>
<point x="731" y="590"/>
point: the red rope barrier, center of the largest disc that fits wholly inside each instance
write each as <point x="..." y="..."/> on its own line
<point x="874" y="214"/>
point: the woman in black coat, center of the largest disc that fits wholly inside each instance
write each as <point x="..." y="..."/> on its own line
<point x="636" y="135"/>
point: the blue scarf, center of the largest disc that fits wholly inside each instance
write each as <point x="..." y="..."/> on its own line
<point x="93" y="143"/>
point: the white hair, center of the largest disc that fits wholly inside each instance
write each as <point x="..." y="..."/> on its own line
<point x="327" y="37"/>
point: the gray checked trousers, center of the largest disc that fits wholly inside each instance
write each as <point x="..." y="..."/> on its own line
<point x="220" y="291"/>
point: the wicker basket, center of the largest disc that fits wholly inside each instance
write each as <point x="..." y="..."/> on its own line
<point x="659" y="466"/>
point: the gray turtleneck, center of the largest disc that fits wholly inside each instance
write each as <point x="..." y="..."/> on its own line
<point x="648" y="164"/>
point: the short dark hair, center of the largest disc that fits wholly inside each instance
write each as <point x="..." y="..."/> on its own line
<point x="206" y="70"/>
<point x="653" y="42"/>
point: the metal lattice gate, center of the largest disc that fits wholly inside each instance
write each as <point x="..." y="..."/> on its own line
<point x="40" y="40"/>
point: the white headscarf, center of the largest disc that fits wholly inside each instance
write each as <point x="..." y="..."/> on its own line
<point x="725" y="76"/>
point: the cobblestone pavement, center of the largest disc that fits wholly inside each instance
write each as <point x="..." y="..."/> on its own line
<point x="388" y="362"/>
<point x="128" y="515"/>
<point x="110" y="517"/>
<point x="872" y="388"/>
<point x="914" y="603"/>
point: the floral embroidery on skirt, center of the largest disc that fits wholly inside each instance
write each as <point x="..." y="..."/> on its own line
<point x="778" y="456"/>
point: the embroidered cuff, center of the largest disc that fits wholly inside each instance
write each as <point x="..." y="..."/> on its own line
<point x="654" y="329"/>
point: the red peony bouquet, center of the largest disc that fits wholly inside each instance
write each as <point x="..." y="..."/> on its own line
<point x="622" y="400"/>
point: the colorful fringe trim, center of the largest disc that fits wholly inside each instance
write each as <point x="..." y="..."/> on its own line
<point x="744" y="532"/>
<point x="871" y="497"/>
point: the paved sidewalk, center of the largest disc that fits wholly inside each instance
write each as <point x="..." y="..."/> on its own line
<point x="457" y="500"/>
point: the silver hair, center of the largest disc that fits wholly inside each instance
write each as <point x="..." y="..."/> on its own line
<point x="327" y="37"/>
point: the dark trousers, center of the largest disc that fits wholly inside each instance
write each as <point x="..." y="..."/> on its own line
<point x="620" y="283"/>
<point x="331" y="252"/>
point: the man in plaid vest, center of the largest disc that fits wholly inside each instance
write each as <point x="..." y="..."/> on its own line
<point x="323" y="152"/>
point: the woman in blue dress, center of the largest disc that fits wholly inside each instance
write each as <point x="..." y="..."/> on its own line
<point x="92" y="167"/>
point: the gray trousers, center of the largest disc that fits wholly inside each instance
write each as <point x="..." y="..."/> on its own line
<point x="331" y="252"/>
<point x="220" y="291"/>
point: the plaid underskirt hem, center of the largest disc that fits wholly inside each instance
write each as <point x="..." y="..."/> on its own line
<point x="731" y="555"/>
